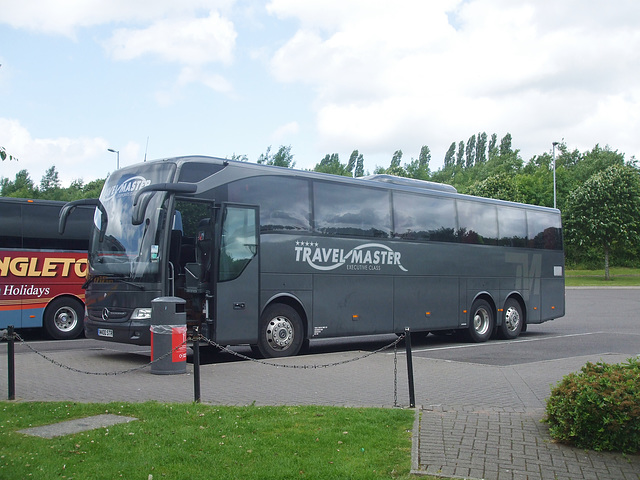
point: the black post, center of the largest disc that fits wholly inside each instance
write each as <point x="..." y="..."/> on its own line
<point x="196" y="366"/>
<point x="11" y="363"/>
<point x="407" y="343"/>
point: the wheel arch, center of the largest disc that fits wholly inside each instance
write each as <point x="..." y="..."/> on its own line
<point x="293" y="302"/>
<point x="63" y="296"/>
<point x="484" y="295"/>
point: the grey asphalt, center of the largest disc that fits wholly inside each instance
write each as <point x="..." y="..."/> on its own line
<point x="479" y="407"/>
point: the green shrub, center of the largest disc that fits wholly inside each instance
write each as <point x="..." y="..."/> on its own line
<point x="598" y="408"/>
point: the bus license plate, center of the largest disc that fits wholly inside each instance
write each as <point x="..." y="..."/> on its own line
<point x="105" y="332"/>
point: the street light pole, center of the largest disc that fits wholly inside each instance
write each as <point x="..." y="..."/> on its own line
<point x="117" y="152"/>
<point x="554" y="173"/>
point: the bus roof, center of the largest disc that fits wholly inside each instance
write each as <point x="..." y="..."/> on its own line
<point x="378" y="180"/>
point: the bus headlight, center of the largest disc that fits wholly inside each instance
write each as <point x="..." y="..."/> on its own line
<point x="141" y="314"/>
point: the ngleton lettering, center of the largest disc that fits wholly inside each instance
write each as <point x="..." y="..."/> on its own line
<point x="42" y="267"/>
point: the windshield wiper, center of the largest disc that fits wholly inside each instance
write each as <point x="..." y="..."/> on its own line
<point x="127" y="282"/>
<point x="114" y="278"/>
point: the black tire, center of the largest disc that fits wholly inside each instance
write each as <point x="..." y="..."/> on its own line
<point x="280" y="332"/>
<point x="512" y="320"/>
<point x="64" y="318"/>
<point x="481" y="322"/>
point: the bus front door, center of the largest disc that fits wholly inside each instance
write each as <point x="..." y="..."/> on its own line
<point x="237" y="287"/>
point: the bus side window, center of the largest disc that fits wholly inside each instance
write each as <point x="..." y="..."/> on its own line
<point x="352" y="210"/>
<point x="11" y="226"/>
<point x="239" y="242"/>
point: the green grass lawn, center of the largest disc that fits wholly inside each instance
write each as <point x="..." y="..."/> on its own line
<point x="620" y="277"/>
<point x="178" y="441"/>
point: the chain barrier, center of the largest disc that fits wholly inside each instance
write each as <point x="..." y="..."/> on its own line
<point x="224" y="349"/>
<point x="199" y="338"/>
<point x="85" y="372"/>
<point x="303" y="367"/>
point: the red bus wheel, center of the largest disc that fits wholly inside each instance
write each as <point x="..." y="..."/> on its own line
<point x="64" y="318"/>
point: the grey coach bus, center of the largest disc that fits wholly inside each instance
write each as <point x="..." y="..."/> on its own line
<point x="273" y="257"/>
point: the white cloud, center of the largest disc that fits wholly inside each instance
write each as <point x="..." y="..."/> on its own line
<point x="189" y="41"/>
<point x="74" y="158"/>
<point x="283" y="132"/>
<point x="402" y="74"/>
<point x="214" y="81"/>
<point x="64" y="17"/>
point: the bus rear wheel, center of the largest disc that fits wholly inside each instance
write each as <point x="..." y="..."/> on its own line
<point x="512" y="322"/>
<point x="481" y="322"/>
<point x="64" y="318"/>
<point x="280" y="332"/>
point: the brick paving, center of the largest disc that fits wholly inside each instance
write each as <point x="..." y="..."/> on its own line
<point x="476" y="421"/>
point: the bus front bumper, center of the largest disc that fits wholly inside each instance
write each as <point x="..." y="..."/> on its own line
<point x="133" y="332"/>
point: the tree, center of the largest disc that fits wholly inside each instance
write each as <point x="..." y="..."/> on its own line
<point x="331" y="164"/>
<point x="481" y="148"/>
<point x="282" y="158"/>
<point x="470" y="151"/>
<point x="395" y="168"/>
<point x="493" y="149"/>
<point x="240" y="158"/>
<point x="22" y="187"/>
<point x="359" y="171"/>
<point x="420" y="168"/>
<point x="505" y="145"/>
<point x="353" y="160"/>
<point x="4" y="155"/>
<point x="449" y="157"/>
<point x="604" y="212"/>
<point x="501" y="187"/>
<point x="589" y="163"/>
<point x="460" y="155"/>
<point x="50" y="182"/>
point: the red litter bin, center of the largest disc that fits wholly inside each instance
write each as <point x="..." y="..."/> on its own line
<point x="168" y="336"/>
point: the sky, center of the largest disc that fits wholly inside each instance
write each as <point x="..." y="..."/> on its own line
<point x="160" y="78"/>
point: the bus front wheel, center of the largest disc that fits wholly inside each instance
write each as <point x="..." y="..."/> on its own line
<point x="281" y="332"/>
<point x="64" y="318"/>
<point x="481" y="322"/>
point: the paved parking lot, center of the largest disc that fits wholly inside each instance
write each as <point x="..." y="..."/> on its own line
<point x="480" y="405"/>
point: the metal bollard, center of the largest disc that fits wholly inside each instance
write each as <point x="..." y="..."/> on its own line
<point x="11" y="363"/>
<point x="168" y="335"/>
<point x="196" y="365"/>
<point x="407" y="343"/>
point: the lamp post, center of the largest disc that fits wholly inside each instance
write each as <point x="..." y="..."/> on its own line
<point x="554" y="173"/>
<point x="117" y="152"/>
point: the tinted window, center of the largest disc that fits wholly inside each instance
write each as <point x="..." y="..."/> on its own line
<point x="477" y="223"/>
<point x="40" y="227"/>
<point x="284" y="201"/>
<point x="351" y="210"/>
<point x="196" y="171"/>
<point x="419" y="217"/>
<point x="512" y="227"/>
<point x="10" y="226"/>
<point x="544" y="230"/>
<point x="239" y="242"/>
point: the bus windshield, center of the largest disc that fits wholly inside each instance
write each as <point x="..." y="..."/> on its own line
<point x="120" y="248"/>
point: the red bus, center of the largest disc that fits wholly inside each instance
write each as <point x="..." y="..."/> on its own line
<point x="41" y="271"/>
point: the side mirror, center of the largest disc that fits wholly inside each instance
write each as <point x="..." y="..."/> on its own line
<point x="67" y="208"/>
<point x="140" y="205"/>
